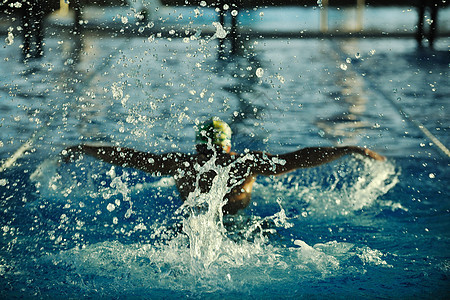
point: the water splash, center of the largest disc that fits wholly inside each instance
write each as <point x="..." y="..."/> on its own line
<point x="209" y="254"/>
<point x="204" y="222"/>
<point x="333" y="190"/>
<point x="120" y="186"/>
<point x="220" y="33"/>
<point x="132" y="268"/>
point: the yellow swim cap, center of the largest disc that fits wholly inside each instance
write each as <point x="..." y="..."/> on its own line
<point x="214" y="131"/>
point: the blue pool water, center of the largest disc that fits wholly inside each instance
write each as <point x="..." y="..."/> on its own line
<point x="353" y="228"/>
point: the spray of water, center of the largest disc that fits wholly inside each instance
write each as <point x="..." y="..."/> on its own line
<point x="205" y="227"/>
<point x="335" y="190"/>
<point x="209" y="255"/>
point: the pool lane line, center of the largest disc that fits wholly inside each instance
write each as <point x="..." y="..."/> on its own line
<point x="6" y="164"/>
<point x="25" y="146"/>
<point x="436" y="142"/>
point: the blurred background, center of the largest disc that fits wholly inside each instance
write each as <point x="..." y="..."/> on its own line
<point x="284" y="75"/>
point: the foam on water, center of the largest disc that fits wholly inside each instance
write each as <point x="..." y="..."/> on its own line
<point x="336" y="190"/>
<point x="208" y="255"/>
<point x="240" y="266"/>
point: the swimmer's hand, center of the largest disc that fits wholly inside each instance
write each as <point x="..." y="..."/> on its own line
<point x="374" y="155"/>
<point x="364" y="152"/>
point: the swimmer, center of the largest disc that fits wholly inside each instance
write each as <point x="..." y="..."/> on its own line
<point x="213" y="139"/>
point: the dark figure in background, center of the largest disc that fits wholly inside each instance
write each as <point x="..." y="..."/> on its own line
<point x="433" y="6"/>
<point x="31" y="14"/>
<point x="233" y="9"/>
<point x="33" y="29"/>
<point x="214" y="142"/>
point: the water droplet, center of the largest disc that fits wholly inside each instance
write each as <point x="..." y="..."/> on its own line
<point x="220" y="32"/>
<point x="110" y="207"/>
<point x="259" y="72"/>
<point x="9" y="39"/>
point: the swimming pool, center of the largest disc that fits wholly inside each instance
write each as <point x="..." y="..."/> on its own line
<point x="354" y="228"/>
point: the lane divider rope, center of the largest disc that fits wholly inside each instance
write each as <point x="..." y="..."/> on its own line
<point x="436" y="142"/>
<point x="9" y="162"/>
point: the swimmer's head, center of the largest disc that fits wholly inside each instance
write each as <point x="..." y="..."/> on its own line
<point x="214" y="131"/>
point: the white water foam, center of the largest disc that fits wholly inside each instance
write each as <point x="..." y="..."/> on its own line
<point x="204" y="258"/>
<point x="333" y="190"/>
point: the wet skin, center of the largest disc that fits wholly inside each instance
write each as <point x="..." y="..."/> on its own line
<point x="187" y="170"/>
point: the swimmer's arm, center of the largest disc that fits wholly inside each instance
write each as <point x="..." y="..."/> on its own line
<point x="163" y="164"/>
<point x="307" y="158"/>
